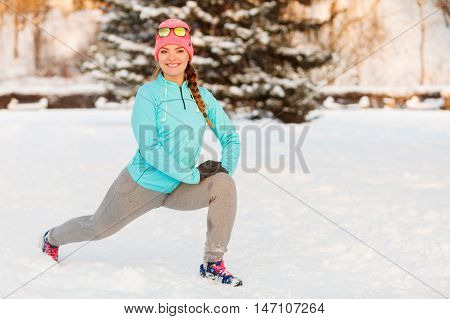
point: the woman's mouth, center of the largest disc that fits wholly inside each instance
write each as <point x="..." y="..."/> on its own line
<point x="173" y="65"/>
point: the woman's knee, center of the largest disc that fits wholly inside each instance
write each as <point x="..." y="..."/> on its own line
<point x="222" y="182"/>
<point x="99" y="230"/>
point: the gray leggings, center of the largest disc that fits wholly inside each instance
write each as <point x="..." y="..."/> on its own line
<point x="126" y="200"/>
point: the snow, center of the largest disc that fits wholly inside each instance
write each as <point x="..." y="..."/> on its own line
<point x="123" y="64"/>
<point x="236" y="91"/>
<point x="263" y="36"/>
<point x="200" y="13"/>
<point x="140" y="60"/>
<point x="298" y="50"/>
<point x="234" y="58"/>
<point x="150" y="12"/>
<point x="413" y="103"/>
<point x="240" y="31"/>
<point x="219" y="45"/>
<point x="392" y="91"/>
<point x="127" y="45"/>
<point x="16" y="106"/>
<point x="329" y="103"/>
<point x="239" y="15"/>
<point x="427" y="104"/>
<point x="253" y="77"/>
<point x="382" y="175"/>
<point x="103" y="103"/>
<point x="199" y="60"/>
<point x="52" y="86"/>
<point x="277" y="91"/>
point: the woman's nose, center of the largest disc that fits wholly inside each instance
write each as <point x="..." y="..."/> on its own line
<point x="171" y="57"/>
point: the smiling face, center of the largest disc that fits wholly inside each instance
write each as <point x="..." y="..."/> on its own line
<point x="173" y="60"/>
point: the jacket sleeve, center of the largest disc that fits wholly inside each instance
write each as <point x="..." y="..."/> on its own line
<point x="143" y="122"/>
<point x="224" y="130"/>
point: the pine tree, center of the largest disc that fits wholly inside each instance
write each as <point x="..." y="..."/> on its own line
<point x="244" y="51"/>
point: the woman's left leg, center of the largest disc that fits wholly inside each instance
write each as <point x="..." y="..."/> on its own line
<point x="219" y="193"/>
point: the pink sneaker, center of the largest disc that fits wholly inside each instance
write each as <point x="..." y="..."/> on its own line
<point x="217" y="271"/>
<point x="48" y="248"/>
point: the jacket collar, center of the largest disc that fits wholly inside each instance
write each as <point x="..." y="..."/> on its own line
<point x="163" y="80"/>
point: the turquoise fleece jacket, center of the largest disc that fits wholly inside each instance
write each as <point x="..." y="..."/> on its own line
<point x="169" y="128"/>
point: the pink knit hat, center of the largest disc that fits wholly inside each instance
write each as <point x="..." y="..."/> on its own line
<point x="184" y="42"/>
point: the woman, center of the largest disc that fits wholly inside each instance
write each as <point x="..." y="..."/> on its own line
<point x="169" y="118"/>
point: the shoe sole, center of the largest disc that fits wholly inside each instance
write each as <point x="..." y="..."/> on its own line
<point x="41" y="242"/>
<point x="218" y="281"/>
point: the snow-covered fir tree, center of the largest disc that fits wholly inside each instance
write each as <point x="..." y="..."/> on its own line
<point x="245" y="51"/>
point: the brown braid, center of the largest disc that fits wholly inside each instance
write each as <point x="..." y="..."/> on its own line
<point x="191" y="76"/>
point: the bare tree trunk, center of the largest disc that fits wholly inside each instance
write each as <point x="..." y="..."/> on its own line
<point x="39" y="18"/>
<point x="420" y="3"/>
<point x="444" y="5"/>
<point x="77" y="4"/>
<point x="355" y="33"/>
<point x="37" y="49"/>
<point x="332" y="40"/>
<point x="331" y="33"/>
<point x="16" y="36"/>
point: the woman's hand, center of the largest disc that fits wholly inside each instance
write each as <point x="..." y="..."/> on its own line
<point x="210" y="168"/>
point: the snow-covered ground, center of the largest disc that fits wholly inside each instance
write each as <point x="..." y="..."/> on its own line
<point x="381" y="175"/>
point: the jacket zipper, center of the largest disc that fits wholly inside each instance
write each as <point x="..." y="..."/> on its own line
<point x="181" y="91"/>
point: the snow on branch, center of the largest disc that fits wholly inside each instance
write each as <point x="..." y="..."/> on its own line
<point x="249" y="14"/>
<point x="127" y="45"/>
<point x="201" y="14"/>
<point x="298" y="50"/>
<point x="219" y="45"/>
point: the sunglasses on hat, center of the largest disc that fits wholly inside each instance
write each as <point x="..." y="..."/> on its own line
<point x="178" y="31"/>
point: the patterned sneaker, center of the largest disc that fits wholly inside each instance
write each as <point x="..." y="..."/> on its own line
<point x="48" y="248"/>
<point x="217" y="271"/>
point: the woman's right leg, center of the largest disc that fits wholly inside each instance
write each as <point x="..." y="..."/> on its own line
<point x="124" y="202"/>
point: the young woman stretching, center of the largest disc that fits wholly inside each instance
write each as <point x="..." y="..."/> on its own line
<point x="169" y="119"/>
